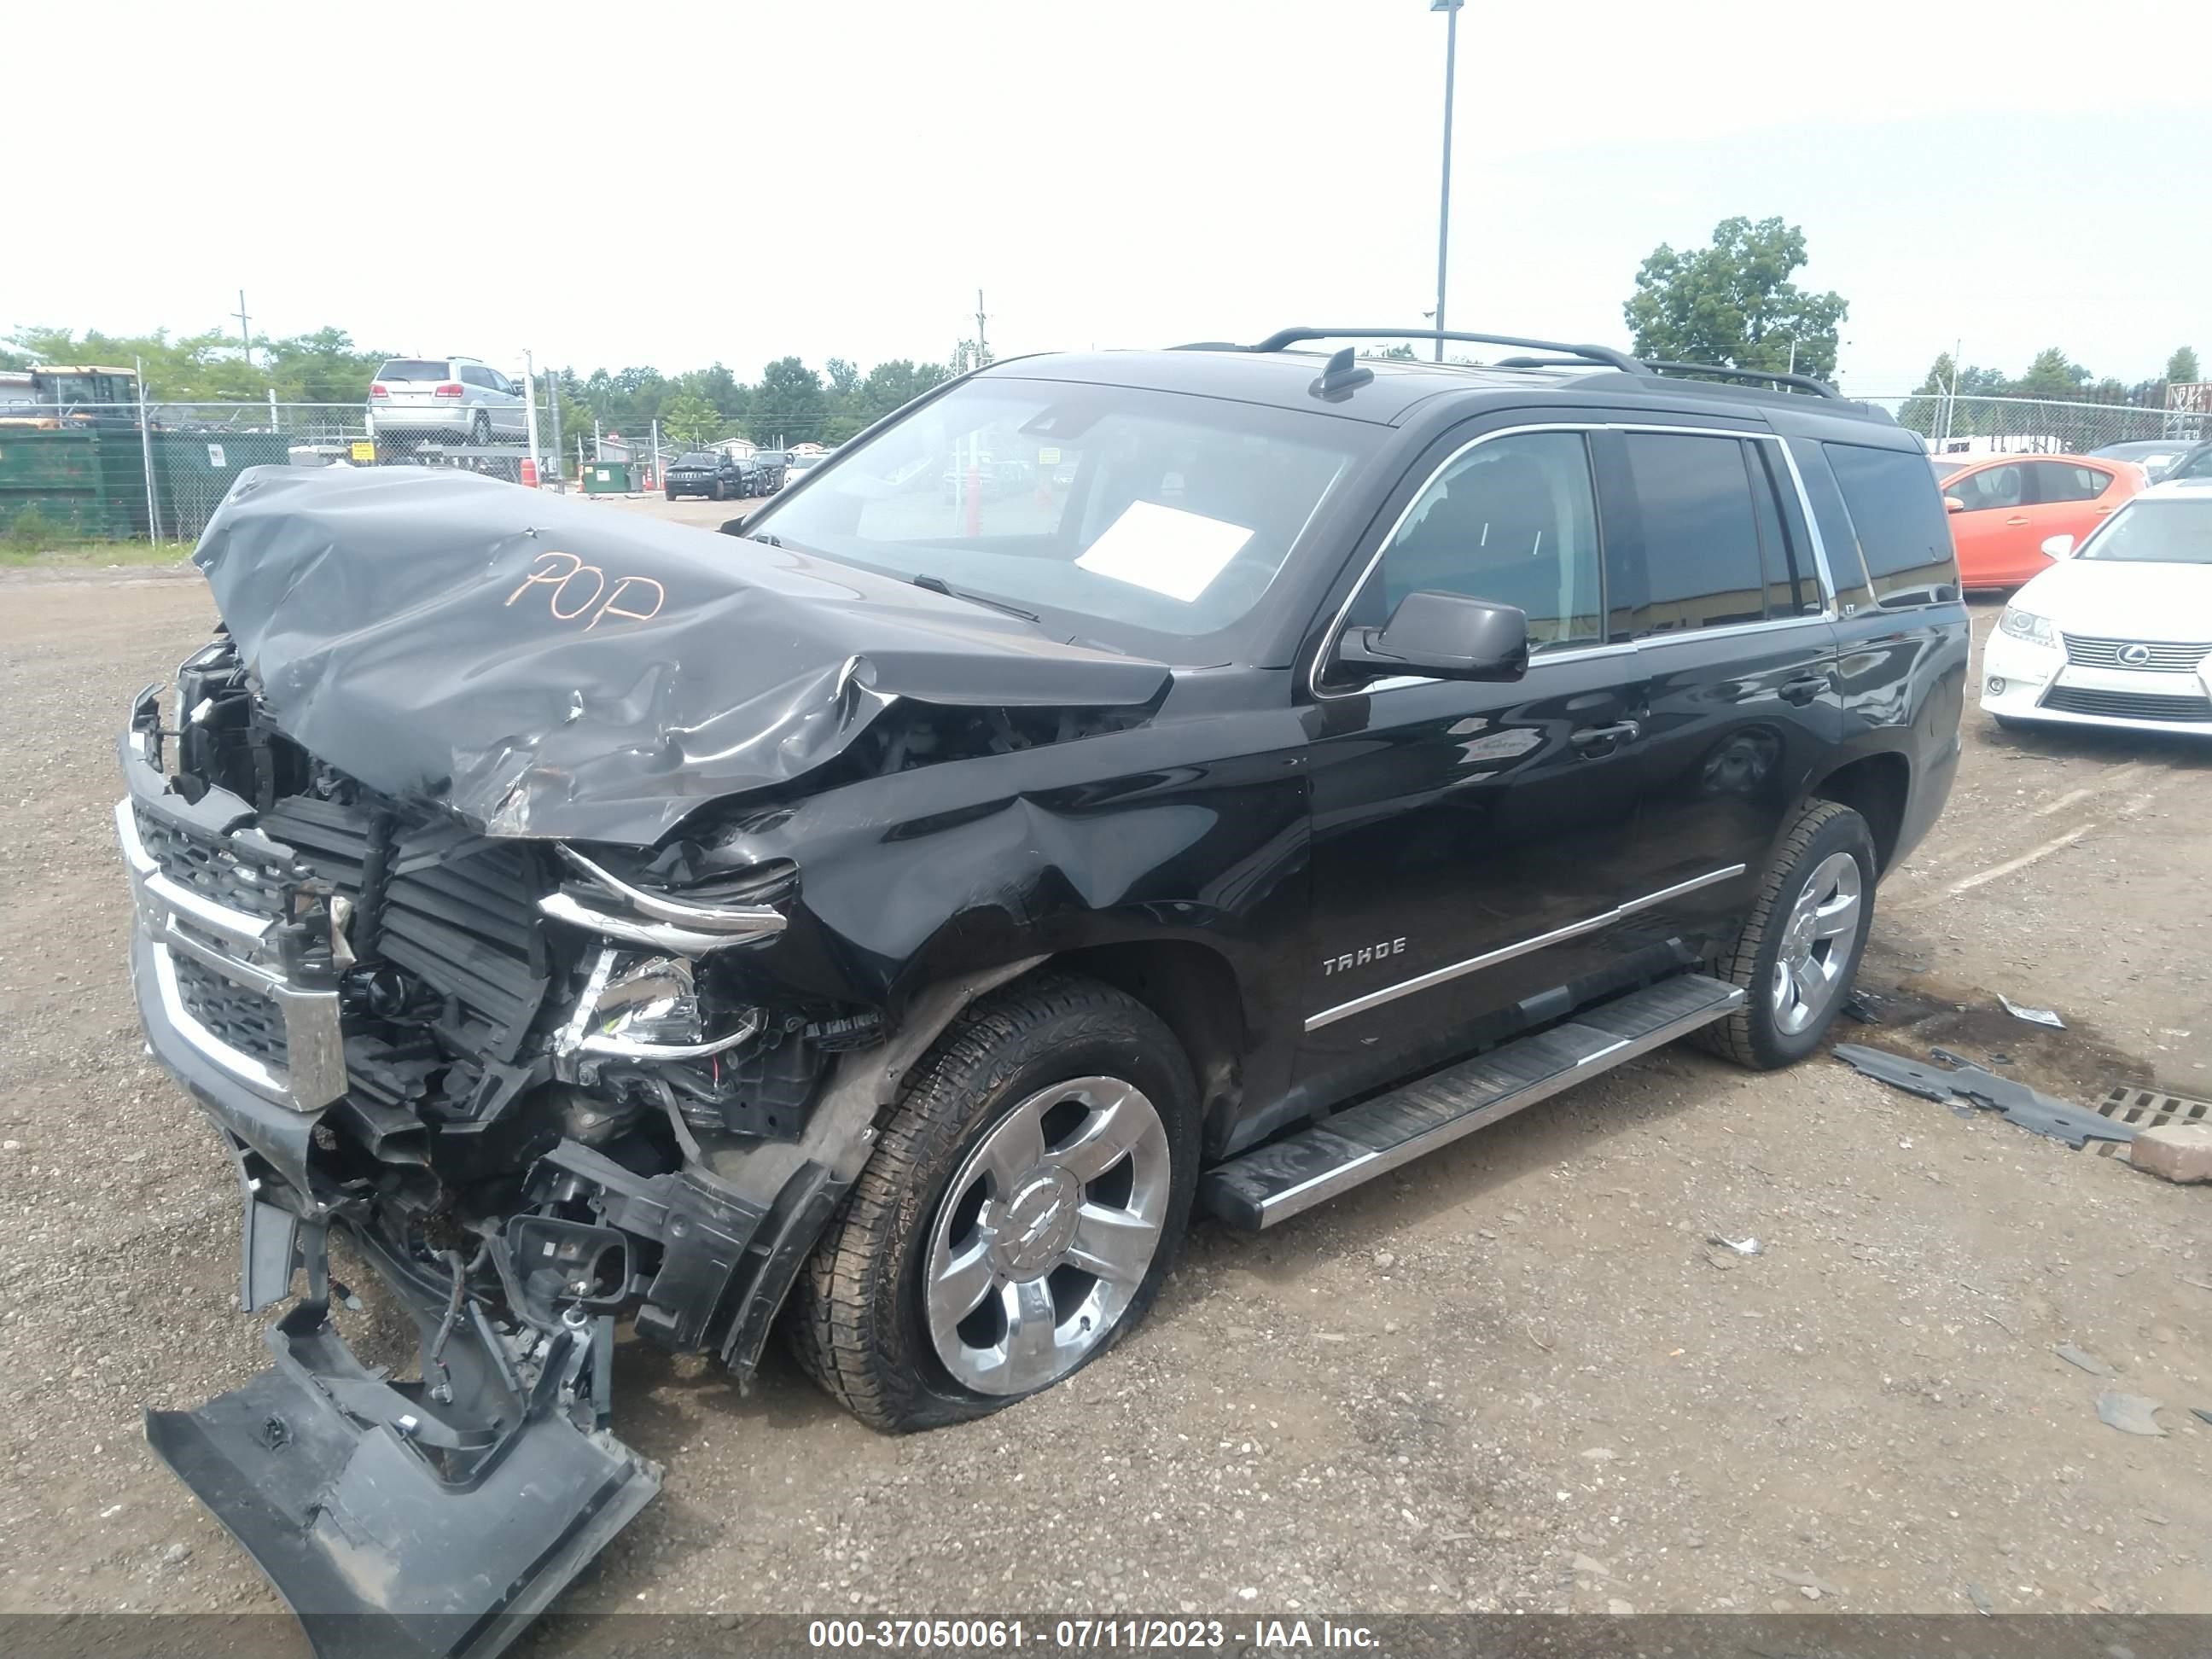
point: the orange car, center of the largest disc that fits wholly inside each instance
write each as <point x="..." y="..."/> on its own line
<point x="2004" y="508"/>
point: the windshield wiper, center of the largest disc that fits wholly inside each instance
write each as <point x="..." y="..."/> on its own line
<point x="939" y="584"/>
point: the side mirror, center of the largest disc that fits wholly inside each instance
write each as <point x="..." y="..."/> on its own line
<point x="1952" y="504"/>
<point x="1445" y="636"/>
<point x="2057" y="547"/>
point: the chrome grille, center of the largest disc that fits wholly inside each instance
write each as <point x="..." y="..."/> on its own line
<point x="2166" y="656"/>
<point x="240" y="1015"/>
<point x="210" y="865"/>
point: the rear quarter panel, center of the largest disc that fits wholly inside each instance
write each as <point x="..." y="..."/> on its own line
<point x="1902" y="667"/>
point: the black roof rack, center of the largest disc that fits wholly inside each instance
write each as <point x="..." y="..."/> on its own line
<point x="1290" y="337"/>
<point x="1567" y="354"/>
<point x="1802" y="382"/>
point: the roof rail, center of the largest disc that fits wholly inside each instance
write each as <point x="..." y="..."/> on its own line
<point x="1802" y="382"/>
<point x="1289" y="337"/>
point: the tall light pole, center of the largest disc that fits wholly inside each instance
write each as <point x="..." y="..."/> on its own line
<point x="1450" y="9"/>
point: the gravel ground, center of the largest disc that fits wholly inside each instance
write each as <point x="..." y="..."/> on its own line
<point x="1516" y="1376"/>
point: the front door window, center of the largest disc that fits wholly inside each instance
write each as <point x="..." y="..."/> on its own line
<point x="1513" y="521"/>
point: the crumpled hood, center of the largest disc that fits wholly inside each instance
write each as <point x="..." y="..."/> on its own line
<point x="550" y="667"/>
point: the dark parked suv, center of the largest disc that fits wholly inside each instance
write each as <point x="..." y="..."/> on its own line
<point x="708" y="472"/>
<point x="895" y="917"/>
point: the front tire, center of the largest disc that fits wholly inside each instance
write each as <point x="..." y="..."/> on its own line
<point x="1799" y="950"/>
<point x="1018" y="1217"/>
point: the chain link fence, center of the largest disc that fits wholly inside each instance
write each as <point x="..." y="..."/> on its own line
<point x="2036" y="425"/>
<point x="124" y="471"/>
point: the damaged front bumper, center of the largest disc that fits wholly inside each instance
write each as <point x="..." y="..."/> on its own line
<point x="433" y="1516"/>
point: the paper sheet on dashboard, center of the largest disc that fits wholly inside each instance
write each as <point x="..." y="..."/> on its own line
<point x="1164" y="549"/>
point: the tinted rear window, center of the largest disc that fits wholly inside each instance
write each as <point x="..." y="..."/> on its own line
<point x="414" y="368"/>
<point x="1700" y="535"/>
<point x="1897" y="517"/>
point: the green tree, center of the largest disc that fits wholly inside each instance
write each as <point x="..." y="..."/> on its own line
<point x="321" y="368"/>
<point x="690" y="419"/>
<point x="2052" y="374"/>
<point x="718" y="387"/>
<point x="1734" y="304"/>
<point x="2181" y="368"/>
<point x="893" y="385"/>
<point x="789" y="404"/>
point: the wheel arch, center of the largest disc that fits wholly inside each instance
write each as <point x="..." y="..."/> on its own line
<point x="1877" y="787"/>
<point x="1195" y="991"/>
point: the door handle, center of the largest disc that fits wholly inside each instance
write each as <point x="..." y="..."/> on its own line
<point x="2017" y="518"/>
<point x="1604" y="739"/>
<point x="1804" y="690"/>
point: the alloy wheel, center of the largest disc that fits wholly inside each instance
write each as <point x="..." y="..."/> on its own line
<point x="1816" y="943"/>
<point x="1045" y="1235"/>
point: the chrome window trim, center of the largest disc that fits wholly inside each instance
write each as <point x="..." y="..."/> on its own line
<point x="1685" y="635"/>
<point x="1831" y="607"/>
<point x="1360" y="1004"/>
<point x="1828" y="613"/>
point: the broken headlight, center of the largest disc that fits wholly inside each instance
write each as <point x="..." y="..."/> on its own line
<point x="640" y="1006"/>
<point x="617" y="910"/>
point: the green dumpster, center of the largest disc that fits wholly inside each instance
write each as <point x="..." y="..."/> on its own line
<point x="193" y="471"/>
<point x="606" y="478"/>
<point x="76" y="483"/>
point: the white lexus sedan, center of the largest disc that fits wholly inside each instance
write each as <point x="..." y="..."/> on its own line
<point x="2118" y="633"/>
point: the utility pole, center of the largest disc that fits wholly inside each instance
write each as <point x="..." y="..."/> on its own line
<point x="529" y="414"/>
<point x="982" y="345"/>
<point x="146" y="451"/>
<point x="1450" y="9"/>
<point x="553" y="402"/>
<point x="245" y="334"/>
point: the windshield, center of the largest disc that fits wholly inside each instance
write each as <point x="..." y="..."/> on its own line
<point x="694" y="457"/>
<point x="1946" y="467"/>
<point x="2156" y="532"/>
<point x="1159" y="515"/>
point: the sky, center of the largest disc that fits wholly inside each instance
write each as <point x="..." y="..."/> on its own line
<point x="674" y="185"/>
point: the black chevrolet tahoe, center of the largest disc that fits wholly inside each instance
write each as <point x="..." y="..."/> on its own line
<point x="889" y="920"/>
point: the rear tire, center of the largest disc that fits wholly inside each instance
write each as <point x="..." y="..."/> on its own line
<point x="480" y="431"/>
<point x="1800" y="948"/>
<point x="1056" y="1117"/>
